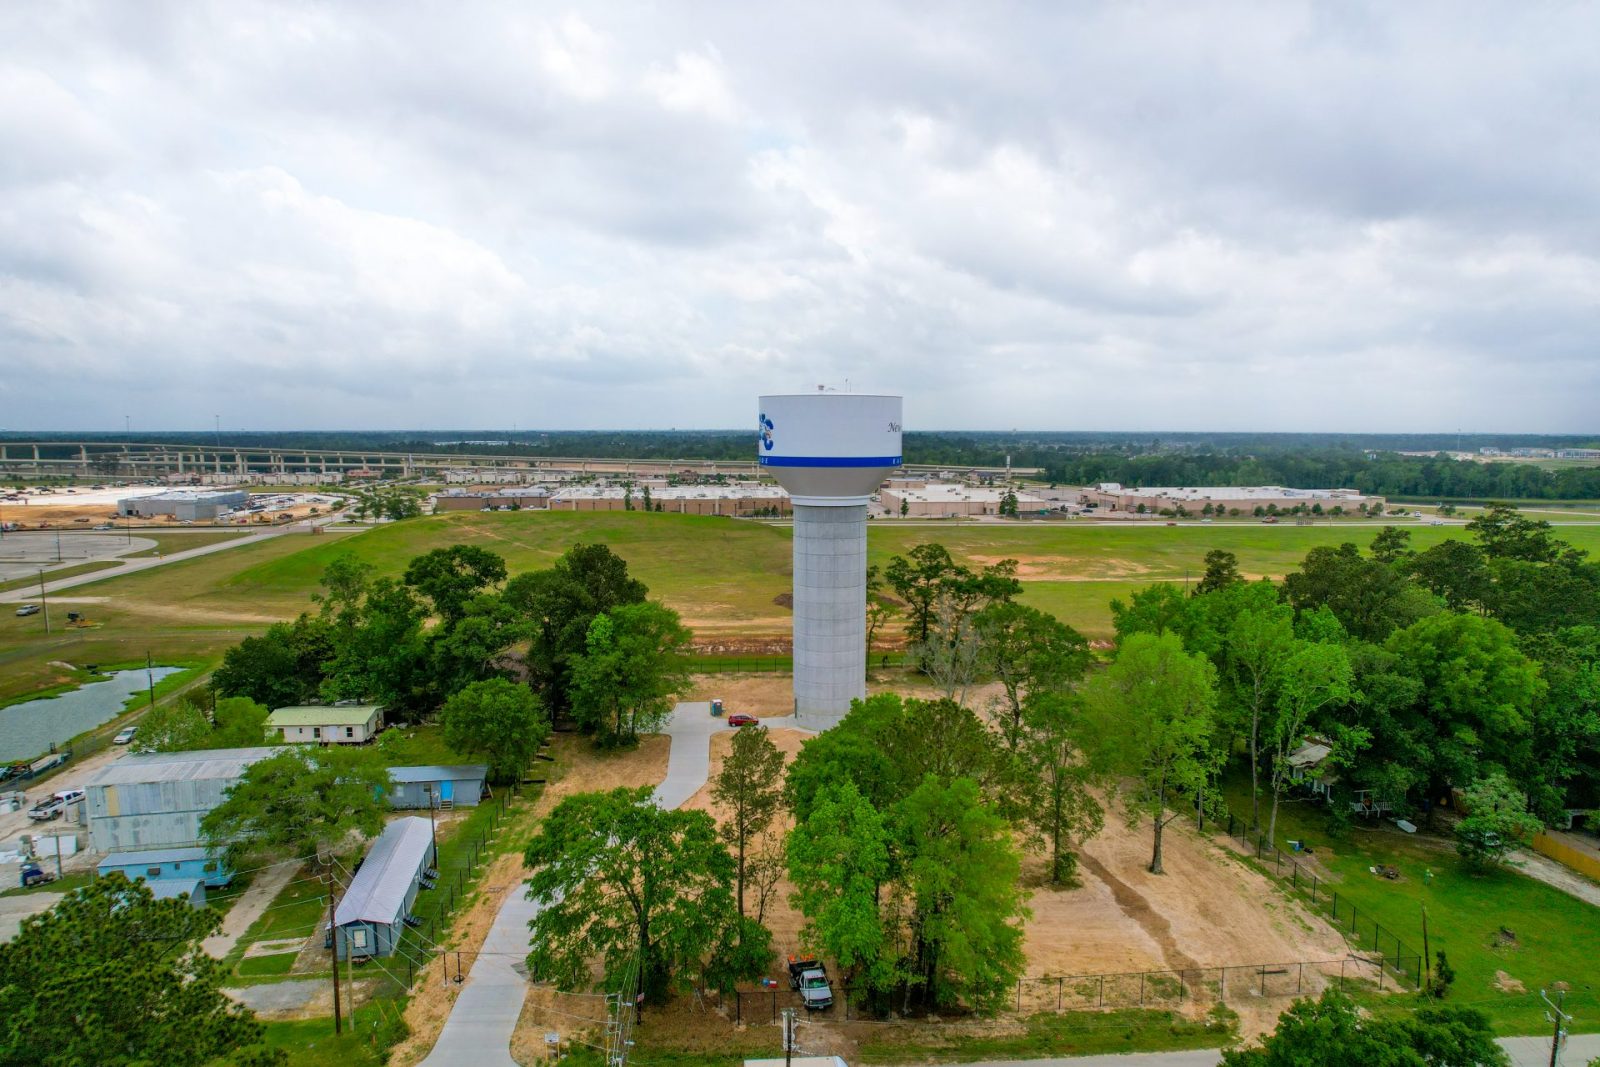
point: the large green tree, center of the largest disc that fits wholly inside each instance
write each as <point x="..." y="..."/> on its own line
<point x="111" y="976"/>
<point x="1497" y="820"/>
<point x="282" y="667"/>
<point x="838" y="864"/>
<point x="558" y="605"/>
<point x="1370" y="598"/>
<point x="1061" y="807"/>
<point x="632" y="668"/>
<point x="451" y="577"/>
<point x="1255" y="649"/>
<point x="498" y="720"/>
<point x="1152" y="713"/>
<point x="645" y="890"/>
<point x="300" y="803"/>
<point x="749" y="788"/>
<point x="1314" y="676"/>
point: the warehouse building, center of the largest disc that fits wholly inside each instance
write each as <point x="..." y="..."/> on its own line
<point x="738" y="500"/>
<point x="157" y="800"/>
<point x="333" y="724"/>
<point x="951" y="500"/>
<point x="515" y="498"/>
<point x="370" y="918"/>
<point x="460" y="786"/>
<point x="169" y="864"/>
<point x="184" y="505"/>
<point x="1223" y="499"/>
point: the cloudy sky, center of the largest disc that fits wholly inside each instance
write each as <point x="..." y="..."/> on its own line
<point x="1270" y="216"/>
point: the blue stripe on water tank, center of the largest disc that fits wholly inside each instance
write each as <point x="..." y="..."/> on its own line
<point x="829" y="461"/>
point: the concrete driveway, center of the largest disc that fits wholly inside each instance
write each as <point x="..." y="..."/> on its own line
<point x="478" y="1032"/>
<point x="1524" y="1052"/>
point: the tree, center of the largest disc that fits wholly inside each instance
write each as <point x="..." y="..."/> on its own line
<point x="645" y="498"/>
<point x="1222" y="570"/>
<point x="1505" y="533"/>
<point x="498" y="720"/>
<point x="281" y="668"/>
<point x="1391" y="543"/>
<point x="1028" y="652"/>
<point x="838" y="863"/>
<point x="1063" y="809"/>
<point x="1256" y="647"/>
<point x="1313" y="676"/>
<point x="1155" y="609"/>
<point x="176" y="726"/>
<point x="451" y="577"/>
<point x="879" y="608"/>
<point x="1152" y="713"/>
<point x="1334" y="1032"/>
<point x="644" y="889"/>
<point x="557" y="606"/>
<point x="917" y="578"/>
<point x="1497" y="821"/>
<point x="1370" y="598"/>
<point x="471" y="648"/>
<point x="749" y="789"/>
<point x="633" y="666"/>
<point x="1008" y="504"/>
<point x="905" y="507"/>
<point x="112" y="976"/>
<point x="960" y="878"/>
<point x="299" y="803"/>
<point x="1456" y="572"/>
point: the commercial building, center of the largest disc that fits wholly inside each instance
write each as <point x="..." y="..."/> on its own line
<point x="169" y="864"/>
<point x="1224" y="499"/>
<point x="157" y="800"/>
<point x="739" y="499"/>
<point x="947" y="500"/>
<point x="184" y="505"/>
<point x="459" y="786"/>
<point x="333" y="724"/>
<point x="370" y="919"/>
<point x="517" y="498"/>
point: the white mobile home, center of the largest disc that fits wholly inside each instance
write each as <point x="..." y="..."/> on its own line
<point x="347" y="724"/>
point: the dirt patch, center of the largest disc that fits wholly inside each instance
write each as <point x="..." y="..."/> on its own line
<point x="1069" y="568"/>
<point x="1507" y="984"/>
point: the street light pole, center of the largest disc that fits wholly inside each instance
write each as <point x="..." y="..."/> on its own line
<point x="43" y="601"/>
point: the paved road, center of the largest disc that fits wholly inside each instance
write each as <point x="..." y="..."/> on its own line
<point x="144" y="563"/>
<point x="478" y="1031"/>
<point x="1524" y="1051"/>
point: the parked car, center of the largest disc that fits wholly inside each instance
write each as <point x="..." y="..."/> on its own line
<point x="741" y="719"/>
<point x="124" y="735"/>
<point x="26" y="610"/>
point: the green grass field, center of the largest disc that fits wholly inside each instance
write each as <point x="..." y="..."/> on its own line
<point x="724" y="576"/>
<point x="1555" y="936"/>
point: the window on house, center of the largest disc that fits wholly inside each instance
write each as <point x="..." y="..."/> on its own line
<point x="153" y="872"/>
<point x="358" y="937"/>
<point x="349" y="731"/>
<point x="210" y="866"/>
<point x="316" y="732"/>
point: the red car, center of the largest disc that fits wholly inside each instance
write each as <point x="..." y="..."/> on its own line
<point x="742" y="719"/>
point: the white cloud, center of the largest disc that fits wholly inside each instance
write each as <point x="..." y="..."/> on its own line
<point x="1291" y="217"/>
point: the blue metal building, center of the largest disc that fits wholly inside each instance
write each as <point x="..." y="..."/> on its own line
<point x="459" y="786"/>
<point x="163" y="864"/>
<point x="370" y="918"/>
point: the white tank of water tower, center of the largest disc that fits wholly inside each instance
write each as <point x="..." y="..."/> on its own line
<point x="831" y="451"/>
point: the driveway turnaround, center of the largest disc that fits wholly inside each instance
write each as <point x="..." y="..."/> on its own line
<point x="478" y="1032"/>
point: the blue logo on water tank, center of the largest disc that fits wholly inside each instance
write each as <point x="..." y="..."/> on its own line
<point x="764" y="428"/>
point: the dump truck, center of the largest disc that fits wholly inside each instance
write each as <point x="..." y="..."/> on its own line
<point x="809" y="978"/>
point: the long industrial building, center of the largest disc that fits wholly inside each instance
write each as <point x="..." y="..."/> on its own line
<point x="915" y="498"/>
<point x="156" y="800"/>
<point x="676" y="499"/>
<point x="183" y="505"/>
<point x="1225" y="499"/>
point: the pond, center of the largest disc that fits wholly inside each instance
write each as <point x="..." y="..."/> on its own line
<point x="28" y="730"/>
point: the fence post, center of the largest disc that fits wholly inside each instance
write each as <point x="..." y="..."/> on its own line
<point x="1300" y="983"/>
<point x="774" y="1005"/>
<point x="1380" y="972"/>
<point x="1230" y="824"/>
<point x="738" y="1006"/>
<point x="1263" y="985"/>
<point x="1019" y="996"/>
<point x="1313" y="889"/>
<point x="1294" y="877"/>
<point x="1102" y="991"/>
<point x="1261" y="839"/>
<point x="1335" y="905"/>
<point x="1141" y="989"/>
<point x="1279" y="853"/>
<point x="1061" y="988"/>
<point x="1222" y="984"/>
<point x="1341" y="973"/>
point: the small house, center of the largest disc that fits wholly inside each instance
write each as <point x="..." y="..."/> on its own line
<point x="335" y="724"/>
<point x="370" y="918"/>
<point x="1305" y="767"/>
<point x="459" y="786"/>
<point x="165" y="864"/>
<point x="173" y="888"/>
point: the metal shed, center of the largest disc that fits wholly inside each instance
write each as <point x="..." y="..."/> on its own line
<point x="157" y="799"/>
<point x="172" y="888"/>
<point x="370" y="918"/>
<point x="459" y="786"/>
<point x="168" y="863"/>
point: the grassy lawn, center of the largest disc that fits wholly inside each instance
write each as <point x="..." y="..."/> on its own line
<point x="299" y="910"/>
<point x="1067" y="1034"/>
<point x="64" y="884"/>
<point x="59" y="572"/>
<point x="311" y="1043"/>
<point x="1555" y="937"/>
<point x="418" y="746"/>
<point x="261" y="966"/>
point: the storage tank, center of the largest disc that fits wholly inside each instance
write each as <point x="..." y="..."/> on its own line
<point x="830" y="451"/>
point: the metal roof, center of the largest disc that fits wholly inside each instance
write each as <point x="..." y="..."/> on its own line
<point x="454" y="773"/>
<point x="180" y="766"/>
<point x="328" y="715"/>
<point x="378" y="891"/>
<point x="153" y="856"/>
<point x="168" y="888"/>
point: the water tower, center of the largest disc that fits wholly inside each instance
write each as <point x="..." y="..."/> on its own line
<point x="830" y="451"/>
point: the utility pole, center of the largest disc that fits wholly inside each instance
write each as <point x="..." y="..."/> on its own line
<point x="1427" y="969"/>
<point x="44" y="601"/>
<point x="338" y="1021"/>
<point x="788" y="1036"/>
<point x="1558" y="1017"/>
<point x="150" y="678"/>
